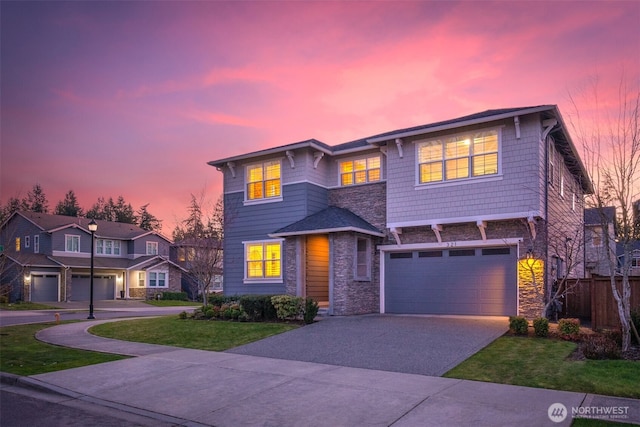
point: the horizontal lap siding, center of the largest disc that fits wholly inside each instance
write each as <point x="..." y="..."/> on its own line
<point x="256" y="222"/>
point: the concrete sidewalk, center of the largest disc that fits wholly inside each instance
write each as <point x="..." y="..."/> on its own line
<point x="193" y="387"/>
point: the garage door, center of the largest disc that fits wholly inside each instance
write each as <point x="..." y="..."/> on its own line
<point x="44" y="287"/>
<point x="103" y="288"/>
<point x="480" y="281"/>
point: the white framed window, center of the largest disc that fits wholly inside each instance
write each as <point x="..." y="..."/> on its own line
<point x="263" y="181"/>
<point x="573" y="202"/>
<point x="158" y="279"/>
<point x="360" y="171"/>
<point x="462" y="156"/>
<point x="263" y="260"/>
<point x="36" y="244"/>
<point x="141" y="279"/>
<point x="72" y="243"/>
<point x="27" y="241"/>
<point x="562" y="186"/>
<point x="363" y="259"/>
<point x="107" y="247"/>
<point x="152" y="248"/>
<point x="552" y="163"/>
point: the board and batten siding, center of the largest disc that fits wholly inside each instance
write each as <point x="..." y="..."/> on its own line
<point x="255" y="222"/>
<point x="516" y="189"/>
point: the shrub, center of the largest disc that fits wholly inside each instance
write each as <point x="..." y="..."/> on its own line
<point x="175" y="296"/>
<point x="182" y="315"/>
<point x="541" y="326"/>
<point x="220" y="299"/>
<point x="310" y="310"/>
<point x="600" y="347"/>
<point x="635" y="318"/>
<point x="287" y="307"/>
<point x="569" y="327"/>
<point x="258" y="307"/>
<point x="4" y="299"/>
<point x="518" y="325"/>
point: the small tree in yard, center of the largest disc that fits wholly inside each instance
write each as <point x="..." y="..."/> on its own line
<point x="200" y="239"/>
<point x="611" y="148"/>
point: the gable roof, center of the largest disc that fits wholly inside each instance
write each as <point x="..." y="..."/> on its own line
<point x="106" y="229"/>
<point x="330" y="220"/>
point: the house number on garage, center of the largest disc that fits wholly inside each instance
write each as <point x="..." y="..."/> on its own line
<point x="452" y="244"/>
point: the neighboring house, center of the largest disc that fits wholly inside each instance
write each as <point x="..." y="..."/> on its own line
<point x="199" y="257"/>
<point x="599" y="223"/>
<point x="47" y="258"/>
<point x="431" y="219"/>
<point x="635" y="258"/>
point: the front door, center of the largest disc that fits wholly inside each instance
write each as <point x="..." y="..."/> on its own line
<point x="317" y="269"/>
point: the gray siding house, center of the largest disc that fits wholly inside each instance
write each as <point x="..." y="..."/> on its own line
<point x="432" y="219"/>
<point x="47" y="258"/>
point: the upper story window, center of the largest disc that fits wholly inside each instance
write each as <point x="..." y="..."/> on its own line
<point x="458" y="157"/>
<point x="152" y="248"/>
<point x="552" y="163"/>
<point x="27" y="241"/>
<point x="107" y="247"/>
<point x="36" y="244"/>
<point x="360" y="171"/>
<point x="263" y="260"/>
<point x="263" y="181"/>
<point x="72" y="243"/>
<point x="17" y="244"/>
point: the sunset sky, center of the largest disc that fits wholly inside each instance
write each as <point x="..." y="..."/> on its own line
<point x="133" y="98"/>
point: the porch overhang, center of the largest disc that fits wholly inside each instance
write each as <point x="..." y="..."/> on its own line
<point x="330" y="220"/>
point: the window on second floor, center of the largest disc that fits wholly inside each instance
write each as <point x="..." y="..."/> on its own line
<point x="263" y="181"/>
<point x="36" y="244"/>
<point x="72" y="243"/>
<point x="458" y="157"/>
<point x="152" y="248"/>
<point x="360" y="171"/>
<point x="27" y="241"/>
<point x="107" y="247"/>
<point x="17" y="244"/>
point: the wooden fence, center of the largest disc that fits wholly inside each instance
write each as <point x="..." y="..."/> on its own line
<point x="592" y="300"/>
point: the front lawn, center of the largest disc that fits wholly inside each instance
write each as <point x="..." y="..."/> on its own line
<point x="189" y="333"/>
<point x="172" y="303"/>
<point x="25" y="306"/>
<point x="543" y="363"/>
<point x="22" y="354"/>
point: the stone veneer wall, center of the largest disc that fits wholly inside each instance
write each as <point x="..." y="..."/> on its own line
<point x="175" y="285"/>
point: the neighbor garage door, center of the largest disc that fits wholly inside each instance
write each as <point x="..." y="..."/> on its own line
<point x="44" y="287"/>
<point x="480" y="281"/>
<point x="103" y="287"/>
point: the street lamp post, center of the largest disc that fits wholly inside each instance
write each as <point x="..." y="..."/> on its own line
<point x="92" y="228"/>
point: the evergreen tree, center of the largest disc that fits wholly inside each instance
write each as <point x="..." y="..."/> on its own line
<point x="36" y="200"/>
<point x="122" y="211"/>
<point x="69" y="206"/>
<point x="147" y="221"/>
<point x="13" y="205"/>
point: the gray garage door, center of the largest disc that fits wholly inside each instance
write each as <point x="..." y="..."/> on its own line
<point x="481" y="281"/>
<point x="44" y="287"/>
<point x="103" y="287"/>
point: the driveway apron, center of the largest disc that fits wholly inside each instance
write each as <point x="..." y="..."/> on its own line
<point x="426" y="345"/>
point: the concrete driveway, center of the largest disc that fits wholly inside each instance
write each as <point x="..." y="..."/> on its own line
<point x="426" y="345"/>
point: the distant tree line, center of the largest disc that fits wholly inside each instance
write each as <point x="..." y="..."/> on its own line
<point x="103" y="209"/>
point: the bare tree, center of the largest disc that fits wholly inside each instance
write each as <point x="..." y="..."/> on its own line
<point x="610" y="140"/>
<point x="199" y="239"/>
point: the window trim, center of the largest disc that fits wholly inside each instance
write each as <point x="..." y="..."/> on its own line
<point x="157" y="273"/>
<point x="66" y="243"/>
<point x="152" y="244"/>
<point x="36" y="244"/>
<point x="364" y="158"/>
<point x="263" y="279"/>
<point x="470" y="178"/>
<point x="27" y="241"/>
<point x="115" y="244"/>
<point x="18" y="244"/>
<point x="247" y="200"/>
<point x="368" y="261"/>
<point x="142" y="278"/>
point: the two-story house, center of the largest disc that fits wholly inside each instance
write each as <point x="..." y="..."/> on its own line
<point x="47" y="258"/>
<point x="430" y="219"/>
<point x="599" y="232"/>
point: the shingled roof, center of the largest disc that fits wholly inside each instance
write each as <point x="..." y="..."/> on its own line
<point x="329" y="220"/>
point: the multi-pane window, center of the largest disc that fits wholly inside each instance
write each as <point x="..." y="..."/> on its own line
<point x="152" y="248"/>
<point x="263" y="260"/>
<point x="17" y="244"/>
<point x="157" y="279"/>
<point x="360" y="171"/>
<point x="458" y="157"/>
<point x="363" y="259"/>
<point x="141" y="279"/>
<point x="72" y="243"/>
<point x="263" y="181"/>
<point x="107" y="247"/>
<point x="36" y="244"/>
<point x="27" y="241"/>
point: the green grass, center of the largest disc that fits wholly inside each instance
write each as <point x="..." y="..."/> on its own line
<point x="587" y="422"/>
<point x="189" y="333"/>
<point x="25" y="306"/>
<point x="542" y="363"/>
<point x="171" y="303"/>
<point x="22" y="354"/>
